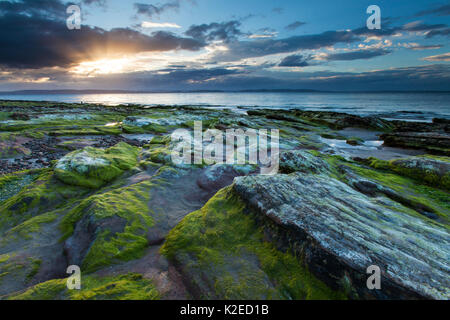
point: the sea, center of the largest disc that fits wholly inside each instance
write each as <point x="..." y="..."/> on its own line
<point x="402" y="106"/>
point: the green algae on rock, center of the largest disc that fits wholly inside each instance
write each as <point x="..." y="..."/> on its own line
<point x="44" y="194"/>
<point x="131" y="286"/>
<point x="92" y="168"/>
<point x="434" y="171"/>
<point x="221" y="251"/>
<point x="339" y="232"/>
<point x="116" y="211"/>
<point x="108" y="227"/>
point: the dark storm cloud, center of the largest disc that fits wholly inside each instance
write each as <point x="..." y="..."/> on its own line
<point x="258" y="48"/>
<point x="295" y="60"/>
<point x="225" y="31"/>
<point x="432" y="77"/>
<point x="442" y="32"/>
<point x="419" y="26"/>
<point x="357" y="54"/>
<point x="178" y="75"/>
<point x="439" y="11"/>
<point x="49" y="8"/>
<point x="45" y="41"/>
<point x="416" y="26"/>
<point x="151" y="10"/>
<point x="171" y="79"/>
<point x="294" y="25"/>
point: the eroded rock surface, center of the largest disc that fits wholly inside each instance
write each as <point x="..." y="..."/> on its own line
<point x="340" y="232"/>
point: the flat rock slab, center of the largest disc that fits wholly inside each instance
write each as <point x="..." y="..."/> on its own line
<point x="339" y="232"/>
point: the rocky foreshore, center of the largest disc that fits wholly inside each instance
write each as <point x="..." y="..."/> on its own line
<point x="95" y="186"/>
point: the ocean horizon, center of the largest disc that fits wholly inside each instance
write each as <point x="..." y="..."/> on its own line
<point x="420" y="106"/>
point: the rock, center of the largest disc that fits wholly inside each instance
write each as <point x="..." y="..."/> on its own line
<point x="20" y="116"/>
<point x="109" y="227"/>
<point x="303" y="161"/>
<point x="431" y="170"/>
<point x="338" y="121"/>
<point x="218" y="176"/>
<point x="93" y="168"/>
<point x="142" y="122"/>
<point x="435" y="143"/>
<point x="222" y="253"/>
<point x="354" y="142"/>
<point x="340" y="232"/>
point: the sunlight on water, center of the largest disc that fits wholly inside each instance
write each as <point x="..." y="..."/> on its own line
<point x="407" y="106"/>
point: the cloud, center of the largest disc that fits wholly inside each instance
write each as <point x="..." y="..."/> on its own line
<point x="357" y="54"/>
<point x="428" y="47"/>
<point x="295" y="60"/>
<point x="257" y="48"/>
<point x="225" y="31"/>
<point x="432" y="77"/>
<point x="151" y="10"/>
<point x="43" y="40"/>
<point x="100" y="3"/>
<point x="149" y="24"/>
<point x="439" y="57"/>
<point x="263" y="35"/>
<point x="439" y="11"/>
<point x="47" y="8"/>
<point x="443" y="32"/>
<point x="278" y="10"/>
<point x="294" y="25"/>
<point x="420" y="26"/>
<point x="429" y="30"/>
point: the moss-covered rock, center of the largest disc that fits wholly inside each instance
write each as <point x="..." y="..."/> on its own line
<point x="92" y="168"/>
<point x="431" y="170"/>
<point x="11" y="184"/>
<point x="340" y="232"/>
<point x="44" y="193"/>
<point x="123" y="287"/>
<point x="109" y="227"/>
<point x="222" y="253"/>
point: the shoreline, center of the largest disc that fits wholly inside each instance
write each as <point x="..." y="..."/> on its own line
<point x="96" y="186"/>
<point x="38" y="147"/>
<point x="364" y="104"/>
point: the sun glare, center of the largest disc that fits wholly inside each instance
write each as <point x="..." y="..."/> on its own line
<point x="100" y="67"/>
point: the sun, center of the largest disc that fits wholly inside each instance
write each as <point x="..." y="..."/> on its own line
<point x="102" y="67"/>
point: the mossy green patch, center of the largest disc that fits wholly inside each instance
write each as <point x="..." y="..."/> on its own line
<point x="220" y="232"/>
<point x="11" y="184"/>
<point x="36" y="198"/>
<point x="424" y="173"/>
<point x="35" y="266"/>
<point x="92" y="168"/>
<point x="155" y="128"/>
<point x="128" y="204"/>
<point x="124" y="287"/>
<point x="27" y="229"/>
<point x="409" y="188"/>
<point x="4" y="257"/>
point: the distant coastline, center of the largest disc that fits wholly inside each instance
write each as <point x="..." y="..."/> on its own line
<point x="105" y="91"/>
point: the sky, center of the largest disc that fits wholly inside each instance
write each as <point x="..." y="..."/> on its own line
<point x="168" y="45"/>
